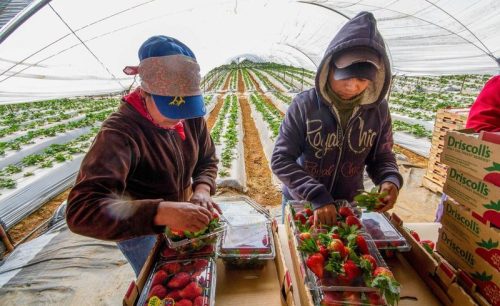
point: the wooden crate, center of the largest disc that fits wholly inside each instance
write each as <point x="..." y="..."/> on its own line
<point x="446" y="120"/>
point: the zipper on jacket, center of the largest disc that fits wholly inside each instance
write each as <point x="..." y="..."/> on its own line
<point x="180" y="192"/>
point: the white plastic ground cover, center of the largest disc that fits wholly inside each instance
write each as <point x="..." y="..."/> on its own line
<point x="261" y="84"/>
<point x="266" y="137"/>
<point x="34" y="191"/>
<point x="419" y="145"/>
<point x="13" y="157"/>
<point x="278" y="84"/>
<point x="63" y="268"/>
<point x="236" y="175"/>
<point x="428" y="125"/>
<point x="211" y="105"/>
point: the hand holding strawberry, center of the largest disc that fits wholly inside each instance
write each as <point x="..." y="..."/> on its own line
<point x="201" y="196"/>
<point x="325" y="215"/>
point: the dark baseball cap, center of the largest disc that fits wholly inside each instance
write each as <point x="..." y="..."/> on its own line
<point x="356" y="63"/>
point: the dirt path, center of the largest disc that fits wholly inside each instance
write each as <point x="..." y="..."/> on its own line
<point x="259" y="182"/>
<point x="215" y="112"/>
<point x="26" y="226"/>
<point x="241" y="84"/>
<point x="266" y="99"/>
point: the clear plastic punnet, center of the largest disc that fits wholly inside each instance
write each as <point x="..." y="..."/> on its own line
<point x="171" y="282"/>
<point x="383" y="233"/>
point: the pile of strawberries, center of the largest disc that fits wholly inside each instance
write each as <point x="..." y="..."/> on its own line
<point x="186" y="283"/>
<point x="339" y="256"/>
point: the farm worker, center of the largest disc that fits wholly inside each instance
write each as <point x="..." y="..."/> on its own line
<point x="153" y="162"/>
<point x="484" y="115"/>
<point x="331" y="132"/>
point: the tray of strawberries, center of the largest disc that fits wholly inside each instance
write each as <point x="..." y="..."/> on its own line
<point x="342" y="258"/>
<point x="181" y="282"/>
<point x="187" y="242"/>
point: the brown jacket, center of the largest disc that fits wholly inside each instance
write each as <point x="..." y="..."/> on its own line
<point x="130" y="168"/>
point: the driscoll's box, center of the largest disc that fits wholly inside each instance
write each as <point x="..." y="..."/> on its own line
<point x="481" y="263"/>
<point x="481" y="197"/>
<point x="465" y="224"/>
<point x="476" y="154"/>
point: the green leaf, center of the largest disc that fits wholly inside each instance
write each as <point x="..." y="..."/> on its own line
<point x="488" y="244"/>
<point x="493" y="205"/>
<point x="495" y="167"/>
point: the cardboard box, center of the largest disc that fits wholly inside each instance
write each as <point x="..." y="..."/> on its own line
<point x="467" y="255"/>
<point x="481" y="197"/>
<point x="465" y="224"/>
<point x="466" y="151"/>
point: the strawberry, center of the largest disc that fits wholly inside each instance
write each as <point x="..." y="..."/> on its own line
<point x="316" y="262"/>
<point x="336" y="245"/>
<point x="374" y="298"/>
<point x="368" y="263"/>
<point x="352" y="220"/>
<point x="489" y="251"/>
<point x="265" y="240"/>
<point x="488" y="289"/>
<point x="362" y="245"/>
<point x="332" y="298"/>
<point x="168" y="252"/>
<point x="351" y="272"/>
<point x="494" y="175"/>
<point x="324" y="251"/>
<point x="300" y="217"/>
<point x="179" y="280"/>
<point x="308" y="212"/>
<point x="311" y="220"/>
<point x="335" y="236"/>
<point x="428" y="245"/>
<point x="351" y="298"/>
<point x="383" y="271"/>
<point x="157" y="290"/>
<point x="200" y="301"/>
<point x="304" y="236"/>
<point x="171" y="267"/>
<point x="345" y="212"/>
<point x="191" y="291"/>
<point x="184" y="303"/>
<point x="493" y="213"/>
<point x="415" y="235"/>
<point x="159" y="277"/>
<point x="174" y="295"/>
<point x="200" y="264"/>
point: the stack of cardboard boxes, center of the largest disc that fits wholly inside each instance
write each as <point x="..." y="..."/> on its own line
<point x="469" y="238"/>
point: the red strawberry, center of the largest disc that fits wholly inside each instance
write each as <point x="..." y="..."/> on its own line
<point x="174" y="295"/>
<point x="493" y="213"/>
<point x="158" y="291"/>
<point x="200" y="264"/>
<point x="171" y="268"/>
<point x="311" y="220"/>
<point x="336" y="245"/>
<point x="352" y="220"/>
<point x="493" y="178"/>
<point x="168" y="252"/>
<point x="332" y="298"/>
<point x="415" y="235"/>
<point x="374" y="298"/>
<point x="368" y="263"/>
<point x="324" y="251"/>
<point x="428" y="245"/>
<point x="383" y="271"/>
<point x="362" y="245"/>
<point x="200" y="301"/>
<point x="179" y="280"/>
<point x="184" y="303"/>
<point x="191" y="291"/>
<point x="304" y="236"/>
<point x="351" y="270"/>
<point x="489" y="251"/>
<point x="335" y="236"/>
<point x="265" y="240"/>
<point x="308" y="212"/>
<point x="300" y="217"/>
<point x="352" y="298"/>
<point x="316" y="262"/>
<point x="159" y="277"/>
<point x="345" y="212"/>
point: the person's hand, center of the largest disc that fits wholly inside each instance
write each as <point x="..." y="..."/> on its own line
<point x="201" y="196"/>
<point x="391" y="196"/>
<point x="325" y="215"/>
<point x="182" y="216"/>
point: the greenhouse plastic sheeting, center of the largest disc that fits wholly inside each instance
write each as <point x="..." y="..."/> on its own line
<point x="74" y="48"/>
<point x="421" y="146"/>
<point x="63" y="268"/>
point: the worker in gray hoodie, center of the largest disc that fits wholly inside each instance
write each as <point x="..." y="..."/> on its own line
<point x="331" y="132"/>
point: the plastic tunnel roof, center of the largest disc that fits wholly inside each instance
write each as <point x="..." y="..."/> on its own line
<point x="74" y="48"/>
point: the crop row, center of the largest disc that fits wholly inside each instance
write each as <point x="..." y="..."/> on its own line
<point x="270" y="114"/>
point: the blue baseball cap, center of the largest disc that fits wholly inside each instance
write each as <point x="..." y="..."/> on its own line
<point x="170" y="73"/>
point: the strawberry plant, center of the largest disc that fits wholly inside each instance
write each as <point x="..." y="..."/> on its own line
<point x="370" y="200"/>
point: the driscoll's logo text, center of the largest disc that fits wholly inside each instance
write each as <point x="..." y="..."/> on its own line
<point x="464" y="254"/>
<point x="481" y="150"/>
<point x="467" y="222"/>
<point x="474" y="185"/>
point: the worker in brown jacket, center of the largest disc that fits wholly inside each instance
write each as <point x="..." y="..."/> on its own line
<point x="153" y="162"/>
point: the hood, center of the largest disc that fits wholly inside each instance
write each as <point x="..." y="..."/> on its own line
<point x="360" y="31"/>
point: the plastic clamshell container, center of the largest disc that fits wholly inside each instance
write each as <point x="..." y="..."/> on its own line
<point x="200" y="271"/>
<point x="188" y="245"/>
<point x="167" y="253"/>
<point x="299" y="206"/>
<point x="235" y="207"/>
<point x="247" y="246"/>
<point x="355" y="298"/>
<point x="383" y="233"/>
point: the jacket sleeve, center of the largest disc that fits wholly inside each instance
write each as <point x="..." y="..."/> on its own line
<point x="205" y="170"/>
<point x="381" y="163"/>
<point x="289" y="145"/>
<point x="484" y="114"/>
<point x="97" y="205"/>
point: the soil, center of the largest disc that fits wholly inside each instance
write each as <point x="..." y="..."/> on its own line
<point x="241" y="84"/>
<point x="414" y="158"/>
<point x="215" y="112"/>
<point x="25" y="227"/>
<point x="259" y="179"/>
